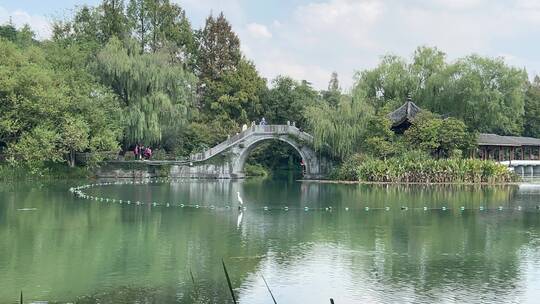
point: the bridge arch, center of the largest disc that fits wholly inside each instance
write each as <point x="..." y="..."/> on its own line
<point x="235" y="151"/>
<point x="239" y="162"/>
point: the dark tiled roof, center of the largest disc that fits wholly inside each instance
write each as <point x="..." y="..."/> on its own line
<point x="406" y="112"/>
<point x="485" y="139"/>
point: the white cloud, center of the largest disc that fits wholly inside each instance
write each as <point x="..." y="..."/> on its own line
<point x="339" y="13"/>
<point x="458" y="4"/>
<point x="200" y="9"/>
<point x="349" y="35"/>
<point x="259" y="31"/>
<point x="339" y="19"/>
<point x="309" y="72"/>
<point x="39" y="24"/>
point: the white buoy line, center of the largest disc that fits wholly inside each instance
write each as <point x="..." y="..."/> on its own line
<point x="79" y="192"/>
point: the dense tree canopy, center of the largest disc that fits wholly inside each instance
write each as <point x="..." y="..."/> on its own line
<point x="156" y="94"/>
<point x="440" y="137"/>
<point x="341" y="129"/>
<point x="288" y="100"/>
<point x="485" y="93"/>
<point x="50" y="107"/>
<point x="332" y="96"/>
<point x="135" y="71"/>
<point x="531" y="123"/>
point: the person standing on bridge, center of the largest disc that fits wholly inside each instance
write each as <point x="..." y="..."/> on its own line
<point x="263" y="122"/>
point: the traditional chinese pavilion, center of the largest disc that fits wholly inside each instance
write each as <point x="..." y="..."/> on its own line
<point x="490" y="146"/>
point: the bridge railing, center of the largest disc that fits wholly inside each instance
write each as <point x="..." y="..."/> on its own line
<point x="253" y="130"/>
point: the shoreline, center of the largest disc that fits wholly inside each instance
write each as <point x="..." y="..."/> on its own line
<point x="345" y="182"/>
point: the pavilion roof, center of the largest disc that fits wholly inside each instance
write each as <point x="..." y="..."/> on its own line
<point x="486" y="139"/>
<point x="406" y="112"/>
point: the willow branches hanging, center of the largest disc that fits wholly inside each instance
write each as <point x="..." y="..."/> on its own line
<point x="156" y="94"/>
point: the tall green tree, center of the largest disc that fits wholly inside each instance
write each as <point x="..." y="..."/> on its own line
<point x="8" y="32"/>
<point x="137" y="13"/>
<point x="162" y="25"/>
<point x="440" y="137"/>
<point x="237" y="96"/>
<point x="485" y="93"/>
<point x="531" y="119"/>
<point x="218" y="60"/>
<point x="113" y="20"/>
<point x="333" y="95"/>
<point x="219" y="49"/>
<point x="288" y="100"/>
<point x="23" y="37"/>
<point x="426" y="68"/>
<point x="156" y="95"/>
<point x="340" y="130"/>
<point x="51" y="107"/>
<point x="389" y="82"/>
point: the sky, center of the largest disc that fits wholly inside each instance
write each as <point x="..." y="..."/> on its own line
<point x="310" y="39"/>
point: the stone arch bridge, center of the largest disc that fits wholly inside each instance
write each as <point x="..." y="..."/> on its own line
<point x="227" y="159"/>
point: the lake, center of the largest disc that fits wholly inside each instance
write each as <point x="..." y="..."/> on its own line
<point x="311" y="242"/>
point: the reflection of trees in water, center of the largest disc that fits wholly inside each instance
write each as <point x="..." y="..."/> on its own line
<point x="391" y="255"/>
<point x="435" y="196"/>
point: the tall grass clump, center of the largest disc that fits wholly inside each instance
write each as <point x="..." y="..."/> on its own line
<point x="427" y="170"/>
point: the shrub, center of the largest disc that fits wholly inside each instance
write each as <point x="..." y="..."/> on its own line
<point x="159" y="154"/>
<point x="349" y="169"/>
<point x="255" y="170"/>
<point x="417" y="168"/>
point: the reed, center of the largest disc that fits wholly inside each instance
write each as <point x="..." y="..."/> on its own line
<point x="229" y="282"/>
<point x="403" y="170"/>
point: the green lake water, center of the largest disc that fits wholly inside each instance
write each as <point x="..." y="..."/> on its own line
<point x="70" y="249"/>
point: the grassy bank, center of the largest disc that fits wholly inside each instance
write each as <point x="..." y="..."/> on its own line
<point x="421" y="170"/>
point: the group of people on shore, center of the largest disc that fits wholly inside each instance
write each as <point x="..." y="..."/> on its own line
<point x="141" y="152"/>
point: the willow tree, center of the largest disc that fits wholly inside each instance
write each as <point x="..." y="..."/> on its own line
<point x="486" y="93"/>
<point x="387" y="84"/>
<point x="340" y="130"/>
<point x="155" y="93"/>
<point x="531" y="119"/>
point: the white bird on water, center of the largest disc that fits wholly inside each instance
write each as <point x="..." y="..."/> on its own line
<point x="240" y="200"/>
